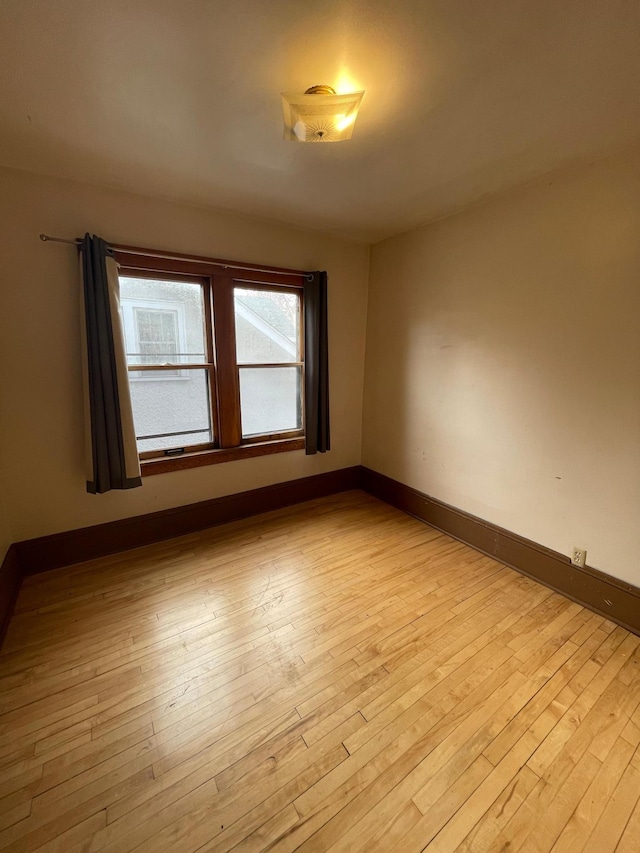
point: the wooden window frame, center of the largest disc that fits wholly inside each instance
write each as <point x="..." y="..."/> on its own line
<point x="218" y="284"/>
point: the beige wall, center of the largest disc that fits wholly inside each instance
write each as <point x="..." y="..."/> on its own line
<point x="503" y="362"/>
<point x="41" y="431"/>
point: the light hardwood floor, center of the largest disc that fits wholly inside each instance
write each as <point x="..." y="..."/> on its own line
<point x="334" y="676"/>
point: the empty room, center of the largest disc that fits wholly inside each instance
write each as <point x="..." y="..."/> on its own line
<point x="319" y="426"/>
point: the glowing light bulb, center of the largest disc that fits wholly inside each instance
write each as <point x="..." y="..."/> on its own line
<point x="343" y="122"/>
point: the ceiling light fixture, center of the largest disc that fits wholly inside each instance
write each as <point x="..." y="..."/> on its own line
<point x="320" y="115"/>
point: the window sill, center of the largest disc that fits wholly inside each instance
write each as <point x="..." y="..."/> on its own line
<point x="149" y="467"/>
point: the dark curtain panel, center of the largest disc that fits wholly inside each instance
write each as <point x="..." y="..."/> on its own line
<point x="316" y="371"/>
<point x="112" y="456"/>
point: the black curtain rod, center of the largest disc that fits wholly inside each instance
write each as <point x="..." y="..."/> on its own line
<point x="146" y="254"/>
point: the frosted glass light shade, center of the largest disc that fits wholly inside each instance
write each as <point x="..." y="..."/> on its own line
<point x="319" y="117"/>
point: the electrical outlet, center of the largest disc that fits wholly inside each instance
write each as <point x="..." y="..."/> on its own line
<point x="578" y="556"/>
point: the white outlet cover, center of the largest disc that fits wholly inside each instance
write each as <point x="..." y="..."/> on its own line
<point x="578" y="556"/>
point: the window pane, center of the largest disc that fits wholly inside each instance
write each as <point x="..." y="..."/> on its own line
<point x="267" y="326"/>
<point x="163" y="321"/>
<point x="270" y="400"/>
<point x="171" y="405"/>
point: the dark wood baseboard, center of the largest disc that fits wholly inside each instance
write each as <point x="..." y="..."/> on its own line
<point x="88" y="543"/>
<point x="596" y="590"/>
<point x="10" y="580"/>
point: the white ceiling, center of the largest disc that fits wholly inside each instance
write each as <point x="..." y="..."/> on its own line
<point x="464" y="98"/>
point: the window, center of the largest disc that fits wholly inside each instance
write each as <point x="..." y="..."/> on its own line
<point x="154" y="326"/>
<point x="156" y="333"/>
<point x="216" y="362"/>
<point x="269" y="356"/>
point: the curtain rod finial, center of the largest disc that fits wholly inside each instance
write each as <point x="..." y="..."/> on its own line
<point x="44" y="238"/>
